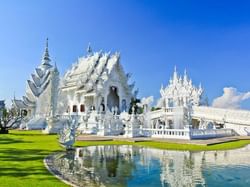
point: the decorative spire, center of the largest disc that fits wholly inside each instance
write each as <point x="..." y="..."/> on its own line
<point x="89" y="49"/>
<point x="175" y="76"/>
<point x="170" y="81"/>
<point x="180" y="79"/>
<point x="185" y="72"/>
<point x="55" y="67"/>
<point x="190" y="82"/>
<point x="185" y="78"/>
<point x="162" y="88"/>
<point x="46" y="60"/>
<point x="200" y="88"/>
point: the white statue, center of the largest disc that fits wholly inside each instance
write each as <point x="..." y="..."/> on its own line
<point x="68" y="133"/>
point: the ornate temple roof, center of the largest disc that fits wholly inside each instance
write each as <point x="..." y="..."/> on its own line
<point x="38" y="82"/>
<point x="182" y="87"/>
<point x="90" y="72"/>
<point x="19" y="104"/>
<point x="40" y="78"/>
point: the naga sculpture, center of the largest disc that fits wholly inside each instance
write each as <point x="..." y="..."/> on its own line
<point x="68" y="133"/>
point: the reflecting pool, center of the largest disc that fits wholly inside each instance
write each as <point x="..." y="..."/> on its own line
<point x="128" y="165"/>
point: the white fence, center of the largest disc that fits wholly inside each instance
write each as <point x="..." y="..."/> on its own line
<point x="210" y="133"/>
<point x="188" y="134"/>
<point x="168" y="133"/>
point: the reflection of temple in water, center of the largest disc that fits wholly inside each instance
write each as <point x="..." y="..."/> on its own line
<point x="185" y="168"/>
<point x="113" y="165"/>
<point x="108" y="163"/>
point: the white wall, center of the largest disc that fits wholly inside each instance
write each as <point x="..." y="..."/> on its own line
<point x="243" y="130"/>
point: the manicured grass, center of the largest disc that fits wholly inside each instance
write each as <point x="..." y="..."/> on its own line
<point x="21" y="159"/>
<point x="22" y="154"/>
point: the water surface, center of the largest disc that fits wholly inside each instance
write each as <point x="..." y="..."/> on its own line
<point x="129" y="165"/>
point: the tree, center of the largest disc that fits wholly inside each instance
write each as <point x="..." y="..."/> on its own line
<point x="155" y="108"/>
<point x="9" y="118"/>
<point x="133" y="104"/>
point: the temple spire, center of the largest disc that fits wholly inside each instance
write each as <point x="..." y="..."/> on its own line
<point x="175" y="76"/>
<point x="55" y="68"/>
<point x="46" y="59"/>
<point x="200" y="87"/>
<point x="185" y="78"/>
<point x="89" y="49"/>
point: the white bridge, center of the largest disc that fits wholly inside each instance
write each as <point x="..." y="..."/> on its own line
<point x="225" y="122"/>
<point x="223" y="116"/>
<point x="207" y="122"/>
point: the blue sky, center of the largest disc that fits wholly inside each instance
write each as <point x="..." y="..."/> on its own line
<point x="211" y="39"/>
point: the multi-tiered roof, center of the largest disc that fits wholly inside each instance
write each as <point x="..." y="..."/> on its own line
<point x="91" y="72"/>
<point x="38" y="83"/>
<point x="181" y="89"/>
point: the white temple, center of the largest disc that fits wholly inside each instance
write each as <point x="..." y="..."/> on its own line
<point x="96" y="91"/>
<point x="95" y="82"/>
<point x="180" y="95"/>
<point x="40" y="100"/>
<point x="180" y="92"/>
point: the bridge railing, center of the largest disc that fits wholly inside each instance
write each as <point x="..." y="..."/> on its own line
<point x="188" y="134"/>
<point x="222" y="115"/>
<point x="168" y="133"/>
<point x="210" y="133"/>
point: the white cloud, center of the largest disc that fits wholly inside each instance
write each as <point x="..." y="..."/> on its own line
<point x="231" y="98"/>
<point x="146" y="101"/>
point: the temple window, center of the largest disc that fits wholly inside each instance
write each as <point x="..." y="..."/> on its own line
<point x="82" y="108"/>
<point x="124" y="105"/>
<point x="170" y="102"/>
<point x="74" y="108"/>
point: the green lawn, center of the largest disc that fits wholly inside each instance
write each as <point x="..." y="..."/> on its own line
<point x="22" y="154"/>
<point x="21" y="159"/>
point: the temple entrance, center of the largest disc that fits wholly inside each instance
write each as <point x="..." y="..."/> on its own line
<point x="113" y="98"/>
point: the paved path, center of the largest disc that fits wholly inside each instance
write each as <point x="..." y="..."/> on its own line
<point x="212" y="141"/>
<point x="93" y="138"/>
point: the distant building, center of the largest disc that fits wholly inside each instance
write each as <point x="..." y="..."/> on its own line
<point x="2" y="104"/>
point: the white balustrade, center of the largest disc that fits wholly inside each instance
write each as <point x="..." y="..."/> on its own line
<point x="210" y="133"/>
<point x="188" y="134"/>
<point x="168" y="133"/>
